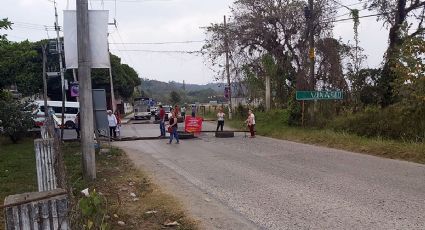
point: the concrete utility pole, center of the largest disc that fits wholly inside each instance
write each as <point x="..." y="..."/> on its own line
<point x="46" y="112"/>
<point x="226" y="41"/>
<point x="268" y="93"/>
<point x="59" y="42"/>
<point x="86" y="97"/>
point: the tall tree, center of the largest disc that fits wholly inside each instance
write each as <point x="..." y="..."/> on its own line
<point x="5" y="24"/>
<point x="269" y="27"/>
<point x="405" y="20"/>
<point x="18" y="65"/>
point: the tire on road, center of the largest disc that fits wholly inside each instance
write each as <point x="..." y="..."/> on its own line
<point x="184" y="135"/>
<point x="224" y="134"/>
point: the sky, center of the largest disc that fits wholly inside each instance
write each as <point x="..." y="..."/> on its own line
<point x="153" y="21"/>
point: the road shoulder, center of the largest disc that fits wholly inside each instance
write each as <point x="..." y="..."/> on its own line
<point x="211" y="213"/>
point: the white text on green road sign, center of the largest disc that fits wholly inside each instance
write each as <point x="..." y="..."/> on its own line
<point x="319" y="95"/>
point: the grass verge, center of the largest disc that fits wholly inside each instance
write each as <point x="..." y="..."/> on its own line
<point x="17" y="169"/>
<point x="274" y="127"/>
<point x="117" y="179"/>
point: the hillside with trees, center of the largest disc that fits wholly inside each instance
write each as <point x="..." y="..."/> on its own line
<point x="166" y="92"/>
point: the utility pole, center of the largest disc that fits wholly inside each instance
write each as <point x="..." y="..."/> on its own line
<point x="86" y="97"/>
<point x="226" y="41"/>
<point x="46" y="112"/>
<point x="59" y="43"/>
<point x="311" y="42"/>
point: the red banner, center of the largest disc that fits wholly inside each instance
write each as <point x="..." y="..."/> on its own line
<point x="193" y="124"/>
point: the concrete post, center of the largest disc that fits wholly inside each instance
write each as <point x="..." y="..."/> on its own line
<point x="86" y="97"/>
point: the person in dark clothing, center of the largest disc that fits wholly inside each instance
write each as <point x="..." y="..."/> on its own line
<point x="162" y="121"/>
<point x="193" y="111"/>
<point x="173" y="128"/>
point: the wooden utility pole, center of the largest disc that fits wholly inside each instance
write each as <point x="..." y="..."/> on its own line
<point x="46" y="112"/>
<point x="311" y="42"/>
<point x="226" y="41"/>
<point x="86" y="97"/>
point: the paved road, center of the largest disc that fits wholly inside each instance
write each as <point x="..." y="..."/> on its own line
<point x="263" y="183"/>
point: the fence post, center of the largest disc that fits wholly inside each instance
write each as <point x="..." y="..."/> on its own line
<point x="49" y="162"/>
<point x="37" y="210"/>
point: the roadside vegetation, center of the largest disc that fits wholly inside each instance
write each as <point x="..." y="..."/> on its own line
<point x="127" y="198"/>
<point x="121" y="193"/>
<point x="276" y="124"/>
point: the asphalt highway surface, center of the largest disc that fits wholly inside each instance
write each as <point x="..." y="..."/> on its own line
<point x="264" y="183"/>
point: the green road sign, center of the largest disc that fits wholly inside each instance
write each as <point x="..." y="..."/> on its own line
<point x="318" y="95"/>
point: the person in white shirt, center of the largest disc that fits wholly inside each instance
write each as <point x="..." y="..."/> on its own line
<point x="220" y="119"/>
<point x="251" y="123"/>
<point x="112" y="121"/>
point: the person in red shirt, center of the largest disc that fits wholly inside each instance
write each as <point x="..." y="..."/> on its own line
<point x="162" y="121"/>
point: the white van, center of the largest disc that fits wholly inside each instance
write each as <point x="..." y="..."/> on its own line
<point x="55" y="107"/>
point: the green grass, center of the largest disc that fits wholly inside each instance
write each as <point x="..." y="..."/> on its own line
<point x="17" y="169"/>
<point x="273" y="125"/>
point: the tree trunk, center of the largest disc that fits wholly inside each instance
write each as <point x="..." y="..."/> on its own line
<point x="395" y="41"/>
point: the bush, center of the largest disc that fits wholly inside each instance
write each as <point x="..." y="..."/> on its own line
<point x="395" y="122"/>
<point x="268" y="122"/>
<point x="295" y="113"/>
<point x="16" y="118"/>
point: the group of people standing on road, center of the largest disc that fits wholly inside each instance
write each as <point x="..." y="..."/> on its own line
<point x="250" y="121"/>
<point x="172" y="127"/>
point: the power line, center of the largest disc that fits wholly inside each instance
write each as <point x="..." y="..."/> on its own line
<point x="345" y="6"/>
<point x="342" y="15"/>
<point x="160" y="43"/>
<point x="366" y="16"/>
<point x="342" y="5"/>
<point x="121" y="53"/>
<point x="32" y="28"/>
<point x="163" y="51"/>
<point x="133" y="1"/>
<point x="119" y="36"/>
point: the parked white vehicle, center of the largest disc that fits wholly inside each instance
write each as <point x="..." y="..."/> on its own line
<point x="55" y="107"/>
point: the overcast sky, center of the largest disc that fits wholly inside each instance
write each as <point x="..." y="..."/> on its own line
<point x="142" y="21"/>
